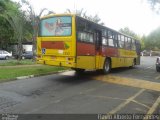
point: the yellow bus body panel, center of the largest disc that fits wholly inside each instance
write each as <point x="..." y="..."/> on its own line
<point x="86" y="62"/>
<point x="58" y="57"/>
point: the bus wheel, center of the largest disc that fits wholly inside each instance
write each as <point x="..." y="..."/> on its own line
<point x="107" y="66"/>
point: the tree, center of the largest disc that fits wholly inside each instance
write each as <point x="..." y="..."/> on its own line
<point x="18" y="23"/>
<point x="155" y="5"/>
<point x="143" y="38"/>
<point x="35" y="19"/>
<point x="152" y="41"/>
<point x="129" y="32"/>
<point x="6" y="31"/>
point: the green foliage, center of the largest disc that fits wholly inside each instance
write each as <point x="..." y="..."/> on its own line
<point x="10" y="73"/>
<point x="152" y="41"/>
<point x="155" y="5"/>
<point x="16" y="26"/>
<point x="6" y="32"/>
<point x="143" y="42"/>
<point x="15" y="62"/>
<point x="35" y="19"/>
<point x="129" y="32"/>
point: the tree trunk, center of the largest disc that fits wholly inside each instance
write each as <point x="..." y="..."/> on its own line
<point x="19" y="49"/>
<point x="34" y="47"/>
<point x="35" y="32"/>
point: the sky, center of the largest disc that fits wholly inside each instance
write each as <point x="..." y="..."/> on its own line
<point x="116" y="14"/>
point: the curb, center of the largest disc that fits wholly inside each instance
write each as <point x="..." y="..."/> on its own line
<point x="25" y="77"/>
<point x="32" y="76"/>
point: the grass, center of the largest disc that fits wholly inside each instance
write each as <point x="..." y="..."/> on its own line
<point x="15" y="62"/>
<point x="9" y="73"/>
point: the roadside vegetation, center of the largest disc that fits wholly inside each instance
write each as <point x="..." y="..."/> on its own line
<point x="10" y="73"/>
<point x="15" y="62"/>
<point x="10" y="69"/>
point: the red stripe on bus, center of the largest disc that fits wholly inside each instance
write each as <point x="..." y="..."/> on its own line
<point x="85" y="49"/>
<point x="52" y="45"/>
<point x="112" y="52"/>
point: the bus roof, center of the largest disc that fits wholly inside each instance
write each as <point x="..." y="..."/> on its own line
<point x="70" y="14"/>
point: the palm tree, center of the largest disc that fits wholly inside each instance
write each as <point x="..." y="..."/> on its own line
<point x="35" y="19"/>
<point x="18" y="23"/>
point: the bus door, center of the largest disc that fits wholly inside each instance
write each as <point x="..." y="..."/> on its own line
<point x="98" y="44"/>
<point x="85" y="50"/>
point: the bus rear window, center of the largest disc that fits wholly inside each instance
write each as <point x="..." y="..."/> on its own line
<point x="56" y="26"/>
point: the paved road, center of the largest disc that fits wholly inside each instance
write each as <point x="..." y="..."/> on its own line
<point x="122" y="91"/>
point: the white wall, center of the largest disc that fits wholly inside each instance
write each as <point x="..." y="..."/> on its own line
<point x="27" y="47"/>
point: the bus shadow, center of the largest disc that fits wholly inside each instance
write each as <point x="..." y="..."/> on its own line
<point x="74" y="79"/>
<point x="123" y="69"/>
<point x="87" y="76"/>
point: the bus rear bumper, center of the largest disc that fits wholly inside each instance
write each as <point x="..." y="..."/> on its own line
<point x="56" y="63"/>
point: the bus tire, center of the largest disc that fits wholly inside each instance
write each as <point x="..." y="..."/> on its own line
<point x="107" y="66"/>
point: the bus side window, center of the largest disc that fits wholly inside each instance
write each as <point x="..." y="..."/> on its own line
<point x="122" y="42"/>
<point x="85" y="37"/>
<point x="119" y="41"/>
<point x="104" y="32"/>
<point x="115" y="38"/>
<point x="110" y="39"/>
<point x="90" y="37"/>
<point x="129" y="43"/>
<point x="104" y="41"/>
<point x="133" y="46"/>
<point x="126" y="42"/>
<point x="104" y="37"/>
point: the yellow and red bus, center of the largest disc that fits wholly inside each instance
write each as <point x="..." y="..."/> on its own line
<point x="71" y="41"/>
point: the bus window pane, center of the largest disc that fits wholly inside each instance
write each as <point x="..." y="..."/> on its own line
<point x="91" y="37"/>
<point x="133" y="45"/>
<point x="104" y="40"/>
<point x="83" y="36"/>
<point x="115" y="38"/>
<point x="119" y="37"/>
<point x="129" y="43"/>
<point x="122" y="38"/>
<point x="126" y="43"/>
<point x="122" y="42"/>
<point x="86" y="37"/>
<point x="56" y="26"/>
<point x="109" y="34"/>
<point x="110" y="42"/>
